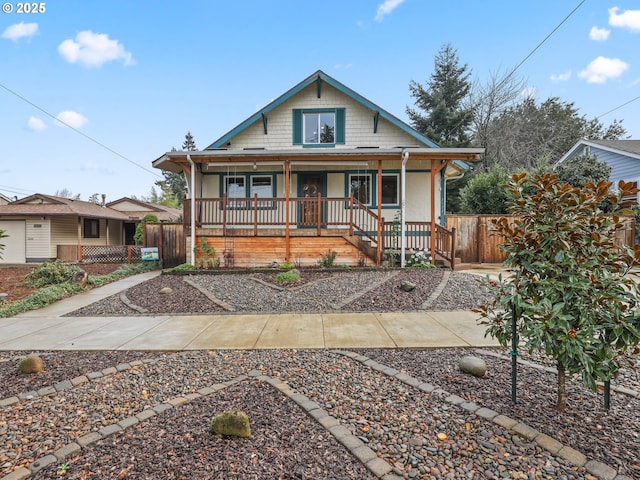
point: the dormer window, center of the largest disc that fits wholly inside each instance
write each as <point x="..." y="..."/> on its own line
<point x="321" y="127"/>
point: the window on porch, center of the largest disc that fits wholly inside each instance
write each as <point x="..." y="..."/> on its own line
<point x="235" y="187"/>
<point x="262" y="187"/>
<point x="360" y="186"/>
<point x="390" y="189"/>
<point x="91" y="228"/>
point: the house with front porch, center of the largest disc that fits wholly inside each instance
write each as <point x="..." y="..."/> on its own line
<point x="320" y="169"/>
<point x="43" y="227"/>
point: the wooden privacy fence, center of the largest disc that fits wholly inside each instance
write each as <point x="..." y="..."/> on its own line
<point x="170" y="240"/>
<point x="476" y="242"/>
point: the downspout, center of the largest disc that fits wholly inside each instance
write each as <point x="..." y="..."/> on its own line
<point x="192" y="191"/>
<point x="403" y="205"/>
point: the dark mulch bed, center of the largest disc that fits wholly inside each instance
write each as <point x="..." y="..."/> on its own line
<point x="284" y="443"/>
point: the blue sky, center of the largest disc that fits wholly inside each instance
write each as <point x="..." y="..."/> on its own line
<point x="135" y="76"/>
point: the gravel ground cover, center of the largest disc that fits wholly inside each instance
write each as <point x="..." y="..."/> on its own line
<point x="319" y="291"/>
<point x="419" y="434"/>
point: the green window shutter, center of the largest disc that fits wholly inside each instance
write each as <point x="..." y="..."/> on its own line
<point x="340" y="126"/>
<point x="297" y="126"/>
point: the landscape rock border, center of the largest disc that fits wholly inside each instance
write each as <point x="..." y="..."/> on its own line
<point x="378" y="466"/>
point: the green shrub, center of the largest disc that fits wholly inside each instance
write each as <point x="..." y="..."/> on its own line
<point x="287" y="266"/>
<point x="288" y="277"/>
<point x="125" y="270"/>
<point x="149" y="218"/>
<point x="51" y="273"/>
<point x="185" y="267"/>
<point x="53" y="293"/>
<point x="39" y="299"/>
<point x="327" y="259"/>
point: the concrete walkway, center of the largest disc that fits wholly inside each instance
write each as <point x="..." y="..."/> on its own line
<point x="47" y="329"/>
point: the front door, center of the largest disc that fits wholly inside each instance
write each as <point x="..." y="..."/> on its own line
<point x="311" y="186"/>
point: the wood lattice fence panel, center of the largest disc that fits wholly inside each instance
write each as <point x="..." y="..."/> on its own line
<point x="111" y="254"/>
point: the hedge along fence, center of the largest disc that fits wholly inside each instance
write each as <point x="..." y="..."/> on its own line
<point x="476" y="242"/>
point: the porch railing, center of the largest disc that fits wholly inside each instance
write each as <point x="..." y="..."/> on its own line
<point x="418" y="237"/>
<point x="318" y="213"/>
<point x="307" y="212"/>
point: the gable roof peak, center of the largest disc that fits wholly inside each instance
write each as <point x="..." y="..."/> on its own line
<point x="318" y="76"/>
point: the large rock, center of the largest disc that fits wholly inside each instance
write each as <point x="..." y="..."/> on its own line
<point x="407" y="286"/>
<point x="31" y="365"/>
<point x="233" y="423"/>
<point x="473" y="365"/>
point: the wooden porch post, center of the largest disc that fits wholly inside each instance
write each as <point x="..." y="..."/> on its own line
<point x="432" y="240"/>
<point x="379" y="249"/>
<point x="287" y="187"/>
<point x="79" y="252"/>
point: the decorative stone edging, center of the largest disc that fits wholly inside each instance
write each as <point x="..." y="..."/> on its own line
<point x="376" y="465"/>
<point x="379" y="467"/>
<point x="623" y="390"/>
<point x="210" y="296"/>
<point x="74" y="382"/>
<point x="437" y="291"/>
<point x="550" y="444"/>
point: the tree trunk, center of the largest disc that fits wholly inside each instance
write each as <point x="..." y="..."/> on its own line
<point x="561" y="402"/>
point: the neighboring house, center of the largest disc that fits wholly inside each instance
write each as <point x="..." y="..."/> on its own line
<point x="4" y="199"/>
<point x="319" y="168"/>
<point x="136" y="210"/>
<point x="44" y="227"/>
<point x="623" y="156"/>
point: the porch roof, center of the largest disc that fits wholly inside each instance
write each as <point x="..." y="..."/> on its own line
<point x="175" y="160"/>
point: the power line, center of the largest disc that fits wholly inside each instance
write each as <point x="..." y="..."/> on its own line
<point x="91" y="139"/>
<point x="510" y="74"/>
<point x="618" y="107"/>
<point x="545" y="39"/>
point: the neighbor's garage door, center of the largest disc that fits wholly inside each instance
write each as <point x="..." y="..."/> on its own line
<point x="15" y="250"/>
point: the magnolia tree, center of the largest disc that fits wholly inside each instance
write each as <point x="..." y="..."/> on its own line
<point x="574" y="297"/>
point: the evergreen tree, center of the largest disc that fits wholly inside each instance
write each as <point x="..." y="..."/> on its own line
<point x="441" y="114"/>
<point x="189" y="144"/>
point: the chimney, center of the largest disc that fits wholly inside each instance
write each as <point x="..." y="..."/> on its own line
<point x="104" y="199"/>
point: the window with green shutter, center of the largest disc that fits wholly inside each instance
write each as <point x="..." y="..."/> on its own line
<point x="319" y="127"/>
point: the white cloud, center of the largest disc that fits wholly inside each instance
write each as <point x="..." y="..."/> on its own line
<point x="599" y="34"/>
<point x="35" y="123"/>
<point x="386" y="8"/>
<point x="602" y="69"/>
<point x="71" y="119"/>
<point x="94" y="49"/>
<point x="561" y="77"/>
<point x="628" y="19"/>
<point x="20" y="30"/>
